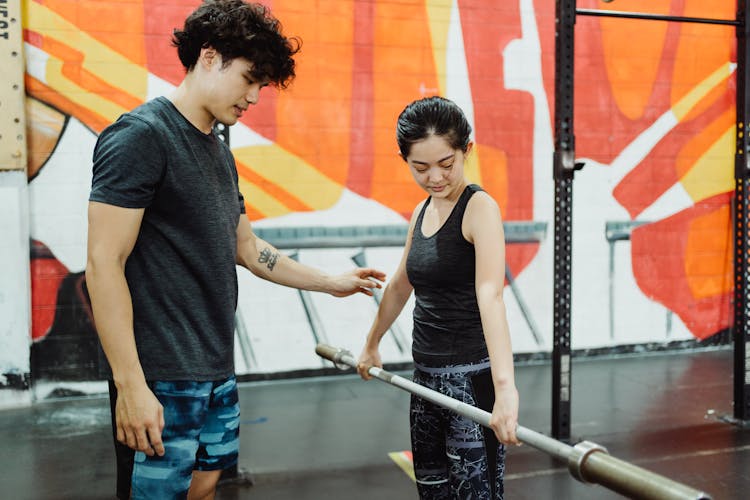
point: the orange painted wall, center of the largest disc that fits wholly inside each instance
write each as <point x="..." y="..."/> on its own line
<point x="363" y="60"/>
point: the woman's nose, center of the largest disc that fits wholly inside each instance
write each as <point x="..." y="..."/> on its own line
<point x="435" y="174"/>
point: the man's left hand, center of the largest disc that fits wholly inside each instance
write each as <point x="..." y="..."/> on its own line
<point x="361" y="279"/>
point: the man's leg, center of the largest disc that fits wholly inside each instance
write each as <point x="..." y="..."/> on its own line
<point x="219" y="439"/>
<point x="185" y="408"/>
<point x="203" y="485"/>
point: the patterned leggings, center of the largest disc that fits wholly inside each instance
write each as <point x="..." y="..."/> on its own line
<point x="455" y="458"/>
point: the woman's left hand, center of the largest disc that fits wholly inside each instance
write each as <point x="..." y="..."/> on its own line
<point x="504" y="419"/>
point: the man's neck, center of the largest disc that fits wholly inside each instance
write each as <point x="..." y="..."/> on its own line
<point x="184" y="99"/>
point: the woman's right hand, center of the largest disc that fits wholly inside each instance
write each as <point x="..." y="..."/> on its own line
<point x="369" y="357"/>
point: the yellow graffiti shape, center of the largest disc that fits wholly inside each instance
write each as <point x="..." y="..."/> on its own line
<point x="260" y="200"/>
<point x="97" y="59"/>
<point x="710" y="175"/>
<point x="439" y="16"/>
<point x="686" y="103"/>
<point x="297" y="177"/>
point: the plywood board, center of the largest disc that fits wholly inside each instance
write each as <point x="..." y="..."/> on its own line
<point x="12" y="115"/>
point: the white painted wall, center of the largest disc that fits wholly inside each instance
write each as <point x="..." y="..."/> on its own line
<point x="15" y="288"/>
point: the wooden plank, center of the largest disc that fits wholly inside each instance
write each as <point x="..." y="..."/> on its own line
<point x="12" y="98"/>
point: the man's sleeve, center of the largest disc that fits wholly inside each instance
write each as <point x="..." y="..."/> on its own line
<point x="233" y="163"/>
<point x="242" y="201"/>
<point x="128" y="164"/>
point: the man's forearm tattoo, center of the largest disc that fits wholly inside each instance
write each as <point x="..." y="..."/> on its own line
<point x="268" y="258"/>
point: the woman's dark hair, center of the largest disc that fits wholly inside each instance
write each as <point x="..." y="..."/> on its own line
<point x="432" y="116"/>
<point x="236" y="28"/>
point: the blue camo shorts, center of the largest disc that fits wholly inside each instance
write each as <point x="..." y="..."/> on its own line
<point x="202" y="426"/>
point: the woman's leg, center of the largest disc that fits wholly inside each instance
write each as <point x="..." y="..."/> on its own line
<point x="476" y="459"/>
<point x="428" y="447"/>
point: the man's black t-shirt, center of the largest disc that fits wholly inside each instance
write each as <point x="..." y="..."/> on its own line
<point x="181" y="272"/>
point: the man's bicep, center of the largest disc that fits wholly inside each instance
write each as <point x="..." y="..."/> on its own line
<point x="247" y="241"/>
<point x="113" y="230"/>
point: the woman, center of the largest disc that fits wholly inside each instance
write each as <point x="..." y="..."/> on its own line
<point x="454" y="260"/>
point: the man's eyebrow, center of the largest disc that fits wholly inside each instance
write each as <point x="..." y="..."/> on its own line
<point x="441" y="160"/>
<point x="263" y="81"/>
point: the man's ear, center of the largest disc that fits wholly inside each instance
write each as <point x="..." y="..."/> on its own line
<point x="208" y="56"/>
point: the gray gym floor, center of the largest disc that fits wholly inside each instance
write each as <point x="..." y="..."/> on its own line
<point x="329" y="437"/>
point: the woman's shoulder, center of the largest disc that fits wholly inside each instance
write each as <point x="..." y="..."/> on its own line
<point x="481" y="198"/>
<point x="482" y="217"/>
<point x="481" y="210"/>
<point x="417" y="210"/>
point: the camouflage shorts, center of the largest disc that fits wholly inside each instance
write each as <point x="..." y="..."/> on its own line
<point x="202" y="426"/>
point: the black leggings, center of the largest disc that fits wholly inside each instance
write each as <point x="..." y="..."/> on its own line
<point x="454" y="457"/>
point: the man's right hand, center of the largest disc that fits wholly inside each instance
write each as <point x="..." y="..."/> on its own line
<point x="140" y="419"/>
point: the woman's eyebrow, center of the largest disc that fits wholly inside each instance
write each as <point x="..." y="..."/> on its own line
<point x="441" y="160"/>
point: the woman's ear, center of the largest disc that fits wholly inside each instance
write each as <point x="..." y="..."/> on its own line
<point x="469" y="147"/>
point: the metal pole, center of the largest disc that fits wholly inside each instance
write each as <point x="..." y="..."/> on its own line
<point x="741" y="220"/>
<point x="360" y="259"/>
<point x="563" y="167"/>
<point x="655" y="17"/>
<point x="587" y="461"/>
<point x="523" y="307"/>
<point x="313" y="318"/>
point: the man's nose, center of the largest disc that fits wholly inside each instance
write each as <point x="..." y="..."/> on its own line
<point x="252" y="94"/>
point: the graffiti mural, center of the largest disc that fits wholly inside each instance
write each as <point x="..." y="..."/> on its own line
<point x="654" y="122"/>
<point x="657" y="111"/>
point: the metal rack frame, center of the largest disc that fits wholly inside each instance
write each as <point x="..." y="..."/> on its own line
<point x="564" y="166"/>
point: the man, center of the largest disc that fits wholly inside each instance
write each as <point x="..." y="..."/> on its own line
<point x="166" y="228"/>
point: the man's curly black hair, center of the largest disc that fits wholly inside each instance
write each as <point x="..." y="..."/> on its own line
<point x="236" y="28"/>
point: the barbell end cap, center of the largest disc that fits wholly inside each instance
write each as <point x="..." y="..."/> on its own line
<point x="326" y="351"/>
<point x="579" y="455"/>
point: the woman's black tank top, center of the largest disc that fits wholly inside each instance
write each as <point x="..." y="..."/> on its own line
<point x="441" y="268"/>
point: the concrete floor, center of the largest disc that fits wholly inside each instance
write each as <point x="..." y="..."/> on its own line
<point x="329" y="438"/>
